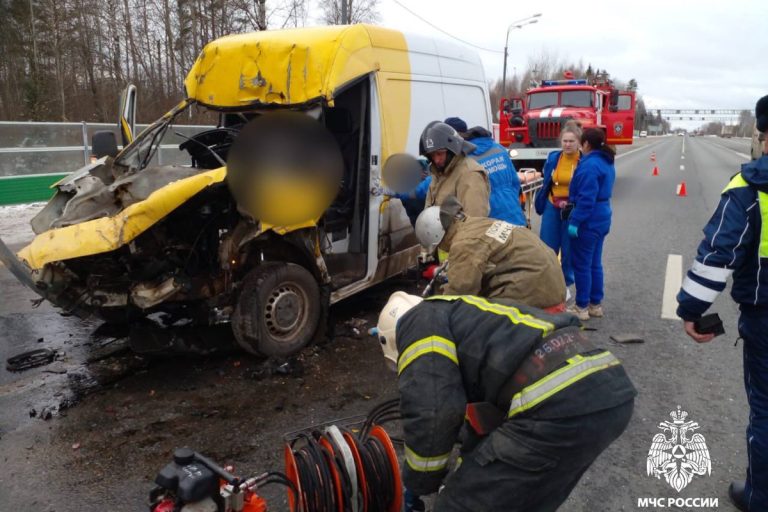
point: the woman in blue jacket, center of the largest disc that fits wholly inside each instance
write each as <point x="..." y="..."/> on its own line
<point x="590" y="220"/>
<point x="553" y="196"/>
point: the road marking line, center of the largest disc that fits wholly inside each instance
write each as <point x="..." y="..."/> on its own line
<point x="682" y="167"/>
<point x="673" y="279"/>
<point x="682" y="157"/>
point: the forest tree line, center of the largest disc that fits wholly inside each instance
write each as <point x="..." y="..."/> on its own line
<point x="68" y="60"/>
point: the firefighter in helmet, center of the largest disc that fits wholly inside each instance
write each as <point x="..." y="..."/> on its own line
<point x="453" y="173"/>
<point x="492" y="258"/>
<point x="541" y="402"/>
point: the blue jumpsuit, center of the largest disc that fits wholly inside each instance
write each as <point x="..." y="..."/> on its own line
<point x="502" y="176"/>
<point x="590" y="192"/>
<point x="554" y="230"/>
<point x="736" y="243"/>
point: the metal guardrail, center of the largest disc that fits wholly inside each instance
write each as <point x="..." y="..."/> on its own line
<point x="34" y="155"/>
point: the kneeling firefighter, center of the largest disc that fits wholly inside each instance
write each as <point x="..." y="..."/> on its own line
<point x="541" y="402"/>
<point x="492" y="258"/>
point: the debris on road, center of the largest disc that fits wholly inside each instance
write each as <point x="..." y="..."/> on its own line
<point x="30" y="359"/>
<point x="627" y="338"/>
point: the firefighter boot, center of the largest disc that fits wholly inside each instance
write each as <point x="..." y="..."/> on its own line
<point x="736" y="494"/>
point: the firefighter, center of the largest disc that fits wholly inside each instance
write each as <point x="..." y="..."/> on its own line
<point x="492" y="258"/>
<point x="736" y="243"/>
<point x="452" y="172"/>
<point x="541" y="401"/>
<point x="502" y="176"/>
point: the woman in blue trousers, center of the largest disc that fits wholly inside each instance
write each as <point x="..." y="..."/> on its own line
<point x="590" y="220"/>
<point x="553" y="196"/>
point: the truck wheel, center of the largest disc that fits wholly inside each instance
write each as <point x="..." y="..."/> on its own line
<point x="277" y="311"/>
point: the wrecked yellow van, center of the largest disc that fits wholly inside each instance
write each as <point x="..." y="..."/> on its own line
<point x="126" y="238"/>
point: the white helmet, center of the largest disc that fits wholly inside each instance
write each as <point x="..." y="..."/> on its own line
<point x="398" y="304"/>
<point x="429" y="229"/>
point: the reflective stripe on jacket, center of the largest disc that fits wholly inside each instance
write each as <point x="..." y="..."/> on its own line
<point x="462" y="349"/>
<point x="735" y="243"/>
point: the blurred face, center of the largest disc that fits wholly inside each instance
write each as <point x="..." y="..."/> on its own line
<point x="569" y="143"/>
<point x="438" y="158"/>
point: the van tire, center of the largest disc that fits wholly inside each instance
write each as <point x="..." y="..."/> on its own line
<point x="277" y="311"/>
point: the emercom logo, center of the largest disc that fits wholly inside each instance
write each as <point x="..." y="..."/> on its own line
<point x="678" y="503"/>
<point x="677" y="453"/>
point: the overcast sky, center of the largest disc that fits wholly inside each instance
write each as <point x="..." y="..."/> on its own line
<point x="683" y="54"/>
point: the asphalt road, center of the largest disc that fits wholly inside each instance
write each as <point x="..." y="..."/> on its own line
<point x="128" y="414"/>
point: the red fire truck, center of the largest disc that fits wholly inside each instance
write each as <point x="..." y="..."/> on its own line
<point x="531" y="124"/>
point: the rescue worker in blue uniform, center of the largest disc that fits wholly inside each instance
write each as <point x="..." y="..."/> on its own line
<point x="502" y="175"/>
<point x="736" y="243"/>
<point x="541" y="401"/>
<point x="589" y="220"/>
<point x="552" y="197"/>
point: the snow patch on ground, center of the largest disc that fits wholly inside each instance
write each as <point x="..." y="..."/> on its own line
<point x="14" y="222"/>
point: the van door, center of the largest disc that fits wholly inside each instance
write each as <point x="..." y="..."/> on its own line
<point x="619" y="118"/>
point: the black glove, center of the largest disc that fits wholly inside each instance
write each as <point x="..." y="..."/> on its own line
<point x="413" y="503"/>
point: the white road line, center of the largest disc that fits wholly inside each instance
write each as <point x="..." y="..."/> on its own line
<point x="683" y="145"/>
<point x="682" y="167"/>
<point x="682" y="157"/>
<point x="636" y="150"/>
<point x="672" y="281"/>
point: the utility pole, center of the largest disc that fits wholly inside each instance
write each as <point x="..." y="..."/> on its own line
<point x="344" y="12"/>
<point x="530" y="20"/>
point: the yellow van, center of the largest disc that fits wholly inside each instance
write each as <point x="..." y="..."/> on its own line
<point x="125" y="238"/>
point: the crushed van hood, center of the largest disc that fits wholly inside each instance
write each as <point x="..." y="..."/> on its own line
<point x="87" y="216"/>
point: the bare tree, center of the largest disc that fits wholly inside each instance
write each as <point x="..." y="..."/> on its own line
<point x="357" y="11"/>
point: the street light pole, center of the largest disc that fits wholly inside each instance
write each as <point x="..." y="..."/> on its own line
<point x="530" y="20"/>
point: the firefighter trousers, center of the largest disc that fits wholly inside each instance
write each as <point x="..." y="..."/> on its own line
<point x="753" y="328"/>
<point x="531" y="465"/>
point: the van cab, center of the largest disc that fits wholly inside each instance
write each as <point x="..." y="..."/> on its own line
<point x="126" y="238"/>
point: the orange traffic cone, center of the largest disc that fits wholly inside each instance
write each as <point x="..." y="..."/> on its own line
<point x="681" y="189"/>
<point x="655" y="170"/>
<point x="653" y="157"/>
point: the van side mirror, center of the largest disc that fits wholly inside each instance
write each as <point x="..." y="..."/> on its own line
<point x="127" y="121"/>
<point x="104" y="143"/>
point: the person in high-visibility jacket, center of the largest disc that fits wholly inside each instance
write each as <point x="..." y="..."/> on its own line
<point x="541" y="402"/>
<point x="736" y="244"/>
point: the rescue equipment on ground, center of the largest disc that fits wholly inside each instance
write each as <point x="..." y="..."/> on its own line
<point x="329" y="468"/>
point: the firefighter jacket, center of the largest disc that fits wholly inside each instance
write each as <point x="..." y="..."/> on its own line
<point x="459" y="350"/>
<point x="591" y="188"/>
<point x="502" y="176"/>
<point x="735" y="243"/>
<point x="495" y="259"/>
<point x="463" y="178"/>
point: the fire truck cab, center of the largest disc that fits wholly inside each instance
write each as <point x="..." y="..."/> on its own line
<point x="531" y="125"/>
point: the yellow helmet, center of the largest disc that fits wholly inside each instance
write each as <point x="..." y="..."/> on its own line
<point x="398" y="304"/>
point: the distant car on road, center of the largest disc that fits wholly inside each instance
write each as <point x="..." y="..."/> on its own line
<point x="643" y="133"/>
<point x="682" y="134"/>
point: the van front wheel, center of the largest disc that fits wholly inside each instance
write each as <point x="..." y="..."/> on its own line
<point x="277" y="311"/>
